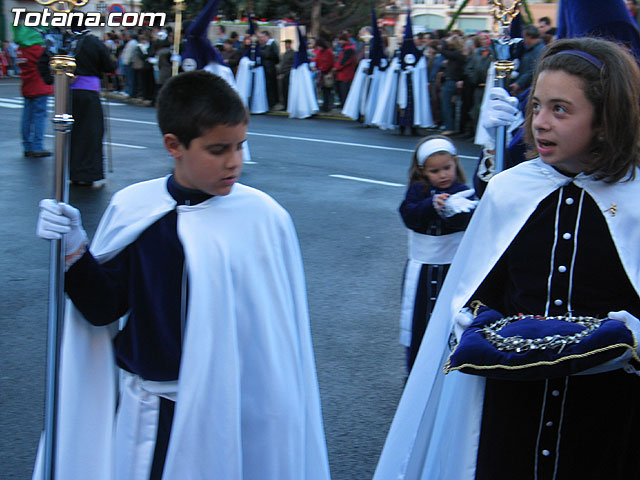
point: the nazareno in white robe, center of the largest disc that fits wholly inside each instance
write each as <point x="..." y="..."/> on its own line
<point x="436" y="428"/>
<point x="248" y="404"/>
<point x="302" y="101"/>
<point x="252" y="86"/>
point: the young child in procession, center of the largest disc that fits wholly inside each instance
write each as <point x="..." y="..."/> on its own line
<point x="214" y="353"/>
<point x="436" y="210"/>
<point x="553" y="236"/>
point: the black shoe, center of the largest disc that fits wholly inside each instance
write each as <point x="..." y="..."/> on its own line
<point x="80" y="183"/>
<point x="42" y="153"/>
<point x="28" y="153"/>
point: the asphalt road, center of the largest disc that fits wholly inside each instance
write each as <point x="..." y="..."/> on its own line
<point x="342" y="184"/>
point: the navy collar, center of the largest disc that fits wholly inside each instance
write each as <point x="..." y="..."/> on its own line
<point x="183" y="195"/>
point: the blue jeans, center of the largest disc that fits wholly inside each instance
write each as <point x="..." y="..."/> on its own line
<point x="34" y="115"/>
<point x="447" y="93"/>
<point x="129" y="77"/>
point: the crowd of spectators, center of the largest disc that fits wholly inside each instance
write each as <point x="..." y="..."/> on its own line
<point x="457" y="66"/>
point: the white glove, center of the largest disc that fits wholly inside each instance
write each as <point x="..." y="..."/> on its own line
<point x="252" y="64"/>
<point x="629" y="320"/>
<point x="461" y="322"/>
<point x="459" y="203"/>
<point x="176" y="58"/>
<point x="58" y="219"/>
<point x="623" y="360"/>
<point x="502" y="110"/>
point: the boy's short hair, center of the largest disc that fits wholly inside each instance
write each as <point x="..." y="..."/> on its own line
<point x="614" y="91"/>
<point x="193" y="102"/>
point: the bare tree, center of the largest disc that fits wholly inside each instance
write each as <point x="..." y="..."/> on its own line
<point x="332" y="16"/>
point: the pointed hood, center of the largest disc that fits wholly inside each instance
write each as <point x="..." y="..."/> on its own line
<point x="377" y="50"/>
<point x="592" y="18"/>
<point x="408" y="45"/>
<point x="301" y="55"/>
<point x="515" y="30"/>
<point x="252" y="26"/>
<point x="253" y="50"/>
<point x="198" y="50"/>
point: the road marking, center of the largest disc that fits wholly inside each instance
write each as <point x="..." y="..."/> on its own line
<point x="288" y="137"/>
<point x="367" y="180"/>
<point x="348" y="144"/>
<point x="144" y="122"/>
<point x="333" y="142"/>
<point x="138" y="147"/>
<point x="10" y="105"/>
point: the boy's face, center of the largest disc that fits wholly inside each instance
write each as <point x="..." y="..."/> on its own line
<point x="213" y="161"/>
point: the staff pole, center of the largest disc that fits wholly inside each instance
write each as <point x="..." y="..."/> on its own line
<point x="503" y="48"/>
<point x="179" y="6"/>
<point x="62" y="67"/>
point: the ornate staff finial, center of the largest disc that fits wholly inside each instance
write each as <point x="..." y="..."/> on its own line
<point x="503" y="49"/>
<point x="63" y="6"/>
<point x="503" y="15"/>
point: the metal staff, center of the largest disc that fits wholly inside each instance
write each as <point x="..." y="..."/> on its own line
<point x="102" y="8"/>
<point x="504" y="49"/>
<point x="62" y="67"/>
<point x="179" y="7"/>
<point x="108" y="129"/>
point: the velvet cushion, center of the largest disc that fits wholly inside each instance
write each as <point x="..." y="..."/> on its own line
<point x="477" y="355"/>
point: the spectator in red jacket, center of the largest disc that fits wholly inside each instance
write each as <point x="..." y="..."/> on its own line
<point x="34" y="90"/>
<point x="324" y="65"/>
<point x="345" y="67"/>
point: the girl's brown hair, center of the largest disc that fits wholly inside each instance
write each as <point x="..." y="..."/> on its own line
<point x="416" y="173"/>
<point x="614" y="91"/>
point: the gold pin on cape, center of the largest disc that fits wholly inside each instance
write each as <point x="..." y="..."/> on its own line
<point x="612" y="210"/>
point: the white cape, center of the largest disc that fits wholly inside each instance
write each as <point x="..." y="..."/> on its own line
<point x="422" y="116"/>
<point x="252" y="86"/>
<point x="373" y="96"/>
<point x="436" y="429"/>
<point x="353" y="102"/>
<point x="302" y="101"/>
<point x="393" y="91"/>
<point x="384" y="113"/>
<point x="248" y="405"/>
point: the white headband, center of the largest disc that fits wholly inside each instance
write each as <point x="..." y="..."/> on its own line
<point x="432" y="146"/>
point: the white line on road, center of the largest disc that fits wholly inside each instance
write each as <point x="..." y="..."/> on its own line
<point x="10" y="105"/>
<point x="129" y="120"/>
<point x="367" y="180"/>
<point x="335" y="142"/>
<point x="287" y="137"/>
<point x="114" y="144"/>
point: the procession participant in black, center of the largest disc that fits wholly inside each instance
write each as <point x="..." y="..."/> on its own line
<point x="270" y="60"/>
<point x="86" y="165"/>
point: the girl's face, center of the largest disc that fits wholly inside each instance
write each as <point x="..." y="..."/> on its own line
<point x="562" y="123"/>
<point x="440" y="170"/>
